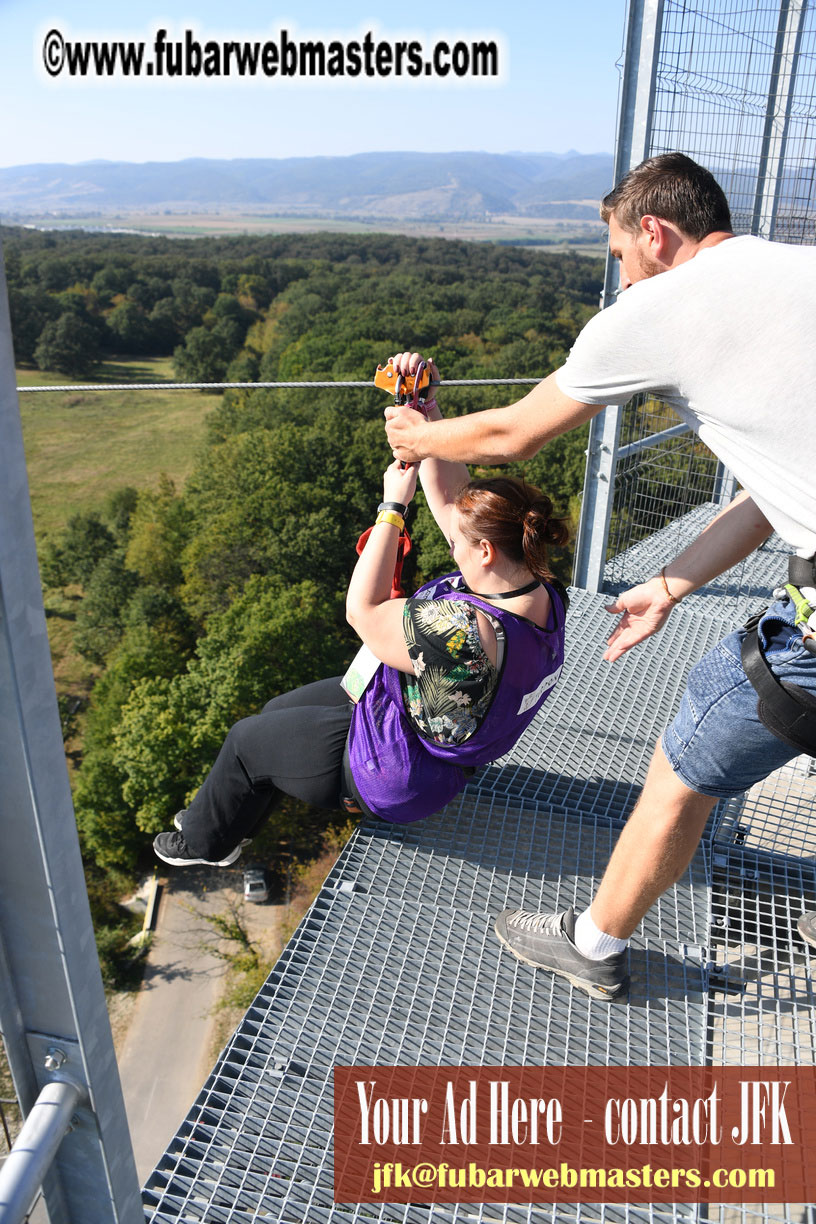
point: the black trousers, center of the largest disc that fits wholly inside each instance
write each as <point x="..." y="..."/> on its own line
<point x="295" y="746"/>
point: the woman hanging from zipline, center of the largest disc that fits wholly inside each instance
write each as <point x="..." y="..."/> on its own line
<point x="461" y="670"/>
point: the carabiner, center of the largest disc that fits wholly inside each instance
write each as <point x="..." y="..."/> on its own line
<point x="418" y="401"/>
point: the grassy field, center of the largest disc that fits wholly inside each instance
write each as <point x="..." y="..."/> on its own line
<point x="567" y="234"/>
<point x="81" y="445"/>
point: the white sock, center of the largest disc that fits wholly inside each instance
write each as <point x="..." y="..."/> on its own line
<point x="594" y="943"/>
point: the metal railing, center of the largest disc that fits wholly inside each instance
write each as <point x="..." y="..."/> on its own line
<point x="27" y="1164"/>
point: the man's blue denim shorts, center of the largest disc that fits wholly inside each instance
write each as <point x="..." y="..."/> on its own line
<point x="716" y="744"/>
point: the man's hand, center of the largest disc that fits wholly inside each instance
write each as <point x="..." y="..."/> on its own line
<point x="405" y="428"/>
<point x="731" y="535"/>
<point x="645" y="609"/>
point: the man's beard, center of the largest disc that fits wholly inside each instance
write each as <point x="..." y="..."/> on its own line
<point x="648" y="266"/>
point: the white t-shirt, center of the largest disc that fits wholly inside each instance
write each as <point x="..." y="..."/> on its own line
<point x="728" y="340"/>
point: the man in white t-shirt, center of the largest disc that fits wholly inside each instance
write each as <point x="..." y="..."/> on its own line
<point x="726" y="339"/>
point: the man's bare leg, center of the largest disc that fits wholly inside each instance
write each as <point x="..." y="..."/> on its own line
<point x="654" y="849"/>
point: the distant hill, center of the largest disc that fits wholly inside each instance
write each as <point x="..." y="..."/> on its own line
<point x="449" y="186"/>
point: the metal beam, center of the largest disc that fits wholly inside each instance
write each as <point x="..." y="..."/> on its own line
<point x="644" y="24"/>
<point x="725" y="485"/>
<point x="674" y="431"/>
<point x="633" y="143"/>
<point x="51" y="993"/>
<point x="777" y="117"/>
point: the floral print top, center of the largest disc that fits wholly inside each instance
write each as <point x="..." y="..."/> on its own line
<point x="454" y="681"/>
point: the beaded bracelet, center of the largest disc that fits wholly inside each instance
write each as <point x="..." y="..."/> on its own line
<point x="673" y="598"/>
<point x="388" y="516"/>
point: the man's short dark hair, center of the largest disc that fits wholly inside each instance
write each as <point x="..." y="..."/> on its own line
<point x="673" y="188"/>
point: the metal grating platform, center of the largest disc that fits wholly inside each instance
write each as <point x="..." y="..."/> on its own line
<point x="764" y="1012"/>
<point x="486" y="853"/>
<point x="396" y="963"/>
<point x="590" y="746"/>
<point x="776" y="815"/>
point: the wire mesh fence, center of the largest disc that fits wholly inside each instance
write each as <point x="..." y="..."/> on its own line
<point x="9" y="1113"/>
<point x="654" y="487"/>
<point x="735" y="88"/>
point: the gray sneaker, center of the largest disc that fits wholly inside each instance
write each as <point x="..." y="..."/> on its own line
<point x="172" y="848"/>
<point x="807" y="928"/>
<point x="547" y="941"/>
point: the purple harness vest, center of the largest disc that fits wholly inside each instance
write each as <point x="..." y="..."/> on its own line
<point x="401" y="775"/>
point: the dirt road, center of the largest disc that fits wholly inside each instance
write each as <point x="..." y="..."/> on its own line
<point x="166" y="1054"/>
<point x="168" y="1050"/>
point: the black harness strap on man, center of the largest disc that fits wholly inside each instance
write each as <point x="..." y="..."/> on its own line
<point x="787" y="710"/>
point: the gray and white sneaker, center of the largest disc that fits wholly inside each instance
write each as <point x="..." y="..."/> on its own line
<point x="243" y="843"/>
<point x="547" y="941"/>
<point x="172" y="848"/>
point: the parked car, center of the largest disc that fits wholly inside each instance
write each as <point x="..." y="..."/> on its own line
<point x="256" y="888"/>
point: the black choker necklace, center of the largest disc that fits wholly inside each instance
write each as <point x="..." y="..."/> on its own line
<point x="531" y="586"/>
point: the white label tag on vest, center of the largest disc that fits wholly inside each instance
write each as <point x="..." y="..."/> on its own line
<point x="360" y="673"/>
<point x="546" y="683"/>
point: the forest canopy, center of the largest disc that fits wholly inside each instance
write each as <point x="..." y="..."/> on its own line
<point x="201" y="603"/>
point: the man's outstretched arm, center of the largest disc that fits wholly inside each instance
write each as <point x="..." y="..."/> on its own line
<point x="494" y="436"/>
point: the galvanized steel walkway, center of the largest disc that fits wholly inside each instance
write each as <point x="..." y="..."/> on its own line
<point x="397" y="963"/>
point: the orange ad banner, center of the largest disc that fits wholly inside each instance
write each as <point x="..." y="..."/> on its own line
<point x="575" y="1134"/>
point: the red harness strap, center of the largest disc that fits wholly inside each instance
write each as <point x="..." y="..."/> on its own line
<point x="403" y="549"/>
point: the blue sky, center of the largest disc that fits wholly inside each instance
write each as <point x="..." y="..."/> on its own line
<point x="558" y="92"/>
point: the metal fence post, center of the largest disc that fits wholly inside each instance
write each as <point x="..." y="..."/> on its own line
<point x="632" y="145"/>
<point x="725" y="486"/>
<point x="777" y="117"/>
<point x="53" y="1015"/>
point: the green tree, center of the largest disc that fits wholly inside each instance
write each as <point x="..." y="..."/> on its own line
<point x="158" y="533"/>
<point x="191" y="302"/>
<point x="106" y="821"/>
<point x="69" y="345"/>
<point x="245" y="367"/>
<point x="165" y="326"/>
<point x="118" y="509"/>
<point x="163" y="613"/>
<point x="289" y="500"/>
<point x="31" y="308"/>
<point x="253" y="291"/>
<point x="112" y="279"/>
<point x="130" y="328"/>
<point x="274" y="638"/>
<point x="100" y="619"/>
<point x="203" y="357"/>
<point x="74" y="556"/>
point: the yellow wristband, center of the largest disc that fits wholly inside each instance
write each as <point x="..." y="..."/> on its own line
<point x="390" y="516"/>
